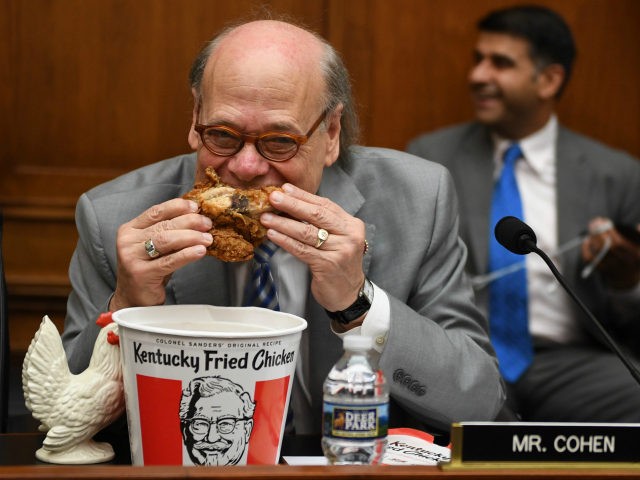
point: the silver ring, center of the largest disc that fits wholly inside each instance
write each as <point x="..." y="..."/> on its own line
<point x="322" y="237"/>
<point x="150" y="248"/>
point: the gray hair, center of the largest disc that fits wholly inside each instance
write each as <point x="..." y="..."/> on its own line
<point x="209" y="386"/>
<point x="336" y="79"/>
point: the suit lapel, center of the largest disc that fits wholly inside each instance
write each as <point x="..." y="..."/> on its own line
<point x="573" y="185"/>
<point x="327" y="347"/>
<point x="574" y="182"/>
<point x="473" y="167"/>
<point x="338" y="187"/>
<point x="474" y="172"/>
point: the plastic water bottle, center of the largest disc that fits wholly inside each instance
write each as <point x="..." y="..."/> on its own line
<point x="356" y="407"/>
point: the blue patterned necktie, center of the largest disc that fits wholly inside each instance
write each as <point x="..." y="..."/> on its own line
<point x="508" y="304"/>
<point x="260" y="290"/>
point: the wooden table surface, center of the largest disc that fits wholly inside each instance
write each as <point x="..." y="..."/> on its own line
<point x="17" y="461"/>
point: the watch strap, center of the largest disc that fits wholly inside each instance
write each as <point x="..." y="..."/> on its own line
<point x="356" y="309"/>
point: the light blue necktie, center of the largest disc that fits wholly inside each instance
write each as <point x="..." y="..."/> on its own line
<point x="508" y="304"/>
<point x="260" y="290"/>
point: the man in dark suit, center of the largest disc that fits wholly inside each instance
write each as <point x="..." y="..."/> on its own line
<point x="567" y="184"/>
<point x="273" y="106"/>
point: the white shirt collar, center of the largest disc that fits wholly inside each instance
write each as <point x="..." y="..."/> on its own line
<point x="539" y="148"/>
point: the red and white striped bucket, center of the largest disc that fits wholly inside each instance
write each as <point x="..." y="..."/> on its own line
<point x="207" y="385"/>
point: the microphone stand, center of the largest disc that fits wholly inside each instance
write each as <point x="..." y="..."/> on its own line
<point x="612" y="344"/>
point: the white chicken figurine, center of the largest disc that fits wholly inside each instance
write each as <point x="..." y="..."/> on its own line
<point x="73" y="408"/>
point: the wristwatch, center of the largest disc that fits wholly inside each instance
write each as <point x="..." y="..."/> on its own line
<point x="357" y="308"/>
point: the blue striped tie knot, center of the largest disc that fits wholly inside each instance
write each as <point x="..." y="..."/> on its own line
<point x="260" y="290"/>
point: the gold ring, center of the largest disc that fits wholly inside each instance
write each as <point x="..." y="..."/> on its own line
<point x="150" y="248"/>
<point x="322" y="237"/>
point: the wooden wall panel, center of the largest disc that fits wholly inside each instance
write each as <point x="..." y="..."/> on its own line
<point x="410" y="60"/>
<point x="99" y="87"/>
<point x="95" y="88"/>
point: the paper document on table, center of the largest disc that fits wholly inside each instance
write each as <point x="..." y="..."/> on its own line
<point x="405" y="446"/>
<point x="291" y="460"/>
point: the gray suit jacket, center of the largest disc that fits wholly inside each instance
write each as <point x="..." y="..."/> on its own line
<point x="438" y="359"/>
<point x="592" y="180"/>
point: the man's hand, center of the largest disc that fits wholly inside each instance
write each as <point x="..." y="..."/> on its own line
<point x="336" y="266"/>
<point x="620" y="267"/>
<point x="178" y="233"/>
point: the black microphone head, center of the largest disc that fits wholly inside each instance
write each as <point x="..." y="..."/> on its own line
<point x="515" y="235"/>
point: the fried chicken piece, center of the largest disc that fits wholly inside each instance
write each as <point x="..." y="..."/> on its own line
<point x="229" y="246"/>
<point x="235" y="212"/>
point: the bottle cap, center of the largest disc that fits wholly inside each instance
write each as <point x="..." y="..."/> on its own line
<point x="357" y="342"/>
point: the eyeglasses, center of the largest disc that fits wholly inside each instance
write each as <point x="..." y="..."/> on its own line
<point x="275" y="146"/>
<point x="224" y="425"/>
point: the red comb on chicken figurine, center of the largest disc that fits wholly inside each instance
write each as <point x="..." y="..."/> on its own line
<point x="105" y="319"/>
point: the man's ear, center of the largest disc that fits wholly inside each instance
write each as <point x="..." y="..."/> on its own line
<point x="334" y="128"/>
<point x="192" y="137"/>
<point x="248" y="427"/>
<point x="550" y="81"/>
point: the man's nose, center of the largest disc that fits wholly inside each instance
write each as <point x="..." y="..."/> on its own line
<point x="480" y="72"/>
<point x="248" y="163"/>
<point x="213" y="434"/>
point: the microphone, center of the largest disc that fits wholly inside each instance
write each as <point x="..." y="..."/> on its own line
<point x="515" y="235"/>
<point x="518" y="237"/>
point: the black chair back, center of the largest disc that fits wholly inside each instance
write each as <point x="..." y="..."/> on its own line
<point x="4" y="344"/>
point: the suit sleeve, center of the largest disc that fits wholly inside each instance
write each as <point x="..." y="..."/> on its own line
<point x="625" y="305"/>
<point x="93" y="282"/>
<point x="439" y="361"/>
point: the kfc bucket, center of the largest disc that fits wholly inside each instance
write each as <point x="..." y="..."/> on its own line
<point x="207" y="385"/>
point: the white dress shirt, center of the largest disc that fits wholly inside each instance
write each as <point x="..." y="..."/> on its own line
<point x="550" y="312"/>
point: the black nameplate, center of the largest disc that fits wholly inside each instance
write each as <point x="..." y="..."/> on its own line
<point x="545" y="442"/>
